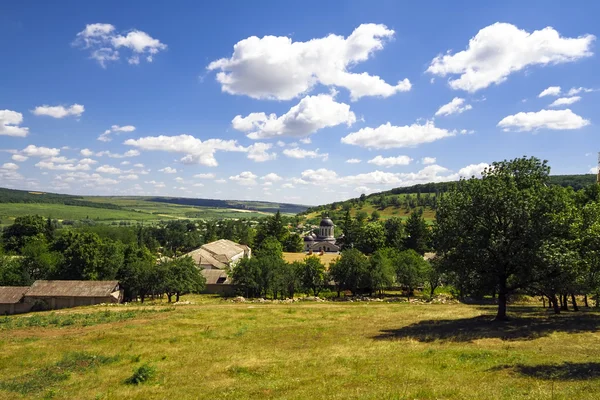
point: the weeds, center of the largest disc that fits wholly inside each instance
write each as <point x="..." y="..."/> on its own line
<point x="142" y="374"/>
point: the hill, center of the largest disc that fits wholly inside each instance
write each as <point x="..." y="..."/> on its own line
<point x="400" y="202"/>
<point x="130" y="209"/>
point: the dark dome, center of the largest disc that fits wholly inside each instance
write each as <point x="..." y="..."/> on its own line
<point x="309" y="238"/>
<point x="326" y="222"/>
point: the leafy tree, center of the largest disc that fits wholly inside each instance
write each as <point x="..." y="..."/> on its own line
<point x="137" y="272"/>
<point x="38" y="262"/>
<point x="12" y="273"/>
<point x="380" y="273"/>
<point x="417" y="232"/>
<point x="16" y="235"/>
<point x="287" y="279"/>
<point x="349" y="272"/>
<point x="375" y="216"/>
<point x="411" y="269"/>
<point x="313" y="274"/>
<point x="372" y="238"/>
<point x="494" y="227"/>
<point x="394" y="233"/>
<point x="182" y="276"/>
<point x="293" y="243"/>
<point x="246" y="277"/>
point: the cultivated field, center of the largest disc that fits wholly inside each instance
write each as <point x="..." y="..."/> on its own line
<point x="215" y="349"/>
<point x="325" y="259"/>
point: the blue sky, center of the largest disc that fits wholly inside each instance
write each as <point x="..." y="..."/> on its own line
<point x="127" y="98"/>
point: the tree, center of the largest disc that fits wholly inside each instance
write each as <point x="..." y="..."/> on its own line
<point x="287" y="280"/>
<point x="371" y="238"/>
<point x="394" y="233"/>
<point x="380" y="273"/>
<point x="313" y="274"/>
<point x="350" y="270"/>
<point x="12" y="273"/>
<point x="293" y="243"/>
<point x="246" y="277"/>
<point x="375" y="216"/>
<point x="16" y="235"/>
<point x="417" y="232"/>
<point x="38" y="261"/>
<point x="410" y="269"/>
<point x="137" y="273"/>
<point x="182" y="276"/>
<point x="493" y="227"/>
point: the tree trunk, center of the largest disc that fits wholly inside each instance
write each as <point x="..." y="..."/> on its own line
<point x="543" y="301"/>
<point x="554" y="302"/>
<point x="177" y="297"/>
<point x="585" y="301"/>
<point x="142" y="296"/>
<point x="169" y="295"/>
<point x="565" y="305"/>
<point x="574" y="301"/>
<point x="501" y="316"/>
<point x="560" y="299"/>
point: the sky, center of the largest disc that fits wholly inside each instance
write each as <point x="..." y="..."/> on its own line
<point x="299" y="102"/>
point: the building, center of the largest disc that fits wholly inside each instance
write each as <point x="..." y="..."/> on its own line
<point x="219" y="254"/>
<point x="65" y="294"/>
<point x="324" y="241"/>
<point x="214" y="259"/>
<point x="12" y="300"/>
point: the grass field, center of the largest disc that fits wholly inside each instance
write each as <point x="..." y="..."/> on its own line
<point x="325" y="258"/>
<point x="388" y="212"/>
<point x="215" y="349"/>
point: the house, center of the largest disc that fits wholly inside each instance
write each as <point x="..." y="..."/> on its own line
<point x="219" y="254"/>
<point x="214" y="259"/>
<point x="12" y="300"/>
<point x="65" y="294"/>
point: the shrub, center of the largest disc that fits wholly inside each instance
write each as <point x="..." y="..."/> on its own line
<point x="142" y="374"/>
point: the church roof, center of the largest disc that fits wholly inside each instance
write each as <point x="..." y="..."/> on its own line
<point x="326" y="222"/>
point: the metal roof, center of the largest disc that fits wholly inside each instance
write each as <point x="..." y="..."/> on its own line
<point x="12" y="294"/>
<point x="72" y="288"/>
<point x="326" y="222"/>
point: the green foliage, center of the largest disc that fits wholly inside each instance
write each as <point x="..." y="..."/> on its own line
<point x="372" y="237"/>
<point x="350" y="271"/>
<point x="411" y="269"/>
<point x="380" y="273"/>
<point x="181" y="276"/>
<point x="141" y="374"/>
<point x="417" y="233"/>
<point x="313" y="274"/>
<point x="394" y="233"/>
<point x="23" y="229"/>
<point x="12" y="272"/>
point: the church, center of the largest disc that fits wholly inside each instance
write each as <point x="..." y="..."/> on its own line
<point x="324" y="241"/>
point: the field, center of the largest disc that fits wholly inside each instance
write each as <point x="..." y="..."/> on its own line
<point x="388" y="212"/>
<point x="216" y="349"/>
<point x="325" y="258"/>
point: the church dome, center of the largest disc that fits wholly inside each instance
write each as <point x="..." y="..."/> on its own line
<point x="309" y="238"/>
<point x="326" y="222"/>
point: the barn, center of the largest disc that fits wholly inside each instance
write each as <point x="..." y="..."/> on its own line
<point x="66" y="294"/>
<point x="12" y="300"/>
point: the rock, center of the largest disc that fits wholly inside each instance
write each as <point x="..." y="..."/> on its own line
<point x="239" y="299"/>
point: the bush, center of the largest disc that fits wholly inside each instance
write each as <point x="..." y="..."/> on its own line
<point x="142" y="374"/>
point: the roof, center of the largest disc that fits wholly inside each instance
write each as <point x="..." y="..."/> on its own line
<point x="429" y="256"/>
<point x="12" y="294"/>
<point x="72" y="288"/>
<point x="326" y="222"/>
<point x="203" y="257"/>
<point x="217" y="254"/>
<point x="309" y="238"/>
<point x="213" y="275"/>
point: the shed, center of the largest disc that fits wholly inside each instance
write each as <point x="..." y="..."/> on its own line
<point x="65" y="294"/>
<point x="217" y="282"/>
<point x="12" y="300"/>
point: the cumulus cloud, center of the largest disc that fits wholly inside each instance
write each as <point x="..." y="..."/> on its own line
<point x="195" y="150"/>
<point x="59" y="111"/>
<point x="107" y="169"/>
<point x="456" y="106"/>
<point x="104" y="42"/>
<point x="390" y="161"/>
<point x="565" y="101"/>
<point x="473" y="170"/>
<point x="277" y="68"/>
<point x="105" y="136"/>
<point x="168" y="170"/>
<point x="128" y="153"/>
<point x="245" y="178"/>
<point x="86" y="179"/>
<point x="353" y="161"/>
<point x="19" y="158"/>
<point x="302" y="153"/>
<point x="271" y="177"/>
<point x="387" y="136"/>
<point x="551" y="91"/>
<point x="288" y="186"/>
<point x="543" y="119"/>
<point x="128" y="177"/>
<point x="311" y="114"/>
<point x="9" y="124"/>
<point x="428" y="160"/>
<point x="259" y="152"/>
<point x="86" y="152"/>
<point x="88" y="161"/>
<point x="10" y="166"/>
<point x="593" y="170"/>
<point x="43" y="152"/>
<point x="205" y="176"/>
<point x="50" y="165"/>
<point x="501" y="49"/>
<point x="574" y="91"/>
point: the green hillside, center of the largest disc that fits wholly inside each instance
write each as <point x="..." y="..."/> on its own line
<point x="400" y="202"/>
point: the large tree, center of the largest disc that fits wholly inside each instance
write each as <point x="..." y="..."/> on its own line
<point x="493" y="228"/>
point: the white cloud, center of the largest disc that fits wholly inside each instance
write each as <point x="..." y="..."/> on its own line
<point x="353" y="161"/>
<point x="456" y="106"/>
<point x="280" y="143"/>
<point x="565" y="101"/>
<point x="138" y="165"/>
<point x="428" y="160"/>
<point x="472" y="170"/>
<point x="103" y="42"/>
<point x="85" y="179"/>
<point x="10" y="166"/>
<point x="551" y="91"/>
<point x="288" y="186"/>
<point x="42" y="152"/>
<point x="548" y="119"/>
<point x="44" y="164"/>
<point x="19" y="158"/>
<point x="128" y="177"/>
<point x="390" y="161"/>
<point x="388" y="136"/>
<point x="271" y="177"/>
<point x="311" y="114"/>
<point x="9" y="124"/>
<point x="105" y="136"/>
<point x="198" y="184"/>
<point x="61" y="160"/>
<point x="220" y="181"/>
<point x="107" y="169"/>
<point x="195" y="150"/>
<point x="205" y="176"/>
<point x="125" y="162"/>
<point x="305" y="140"/>
<point x="86" y="152"/>
<point x="128" y="153"/>
<point x="574" y="91"/>
<point x="59" y="111"/>
<point x="501" y="49"/>
<point x="593" y="170"/>
<point x="88" y="161"/>
<point x="278" y="68"/>
<point x="258" y="152"/>
<point x="302" y="153"/>
<point x="245" y="178"/>
<point x="362" y="189"/>
<point x="168" y="170"/>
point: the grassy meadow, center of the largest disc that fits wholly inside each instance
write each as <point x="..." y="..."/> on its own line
<point x="216" y="349"/>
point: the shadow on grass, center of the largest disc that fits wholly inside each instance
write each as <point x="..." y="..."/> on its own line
<point x="567" y="371"/>
<point x="523" y="326"/>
